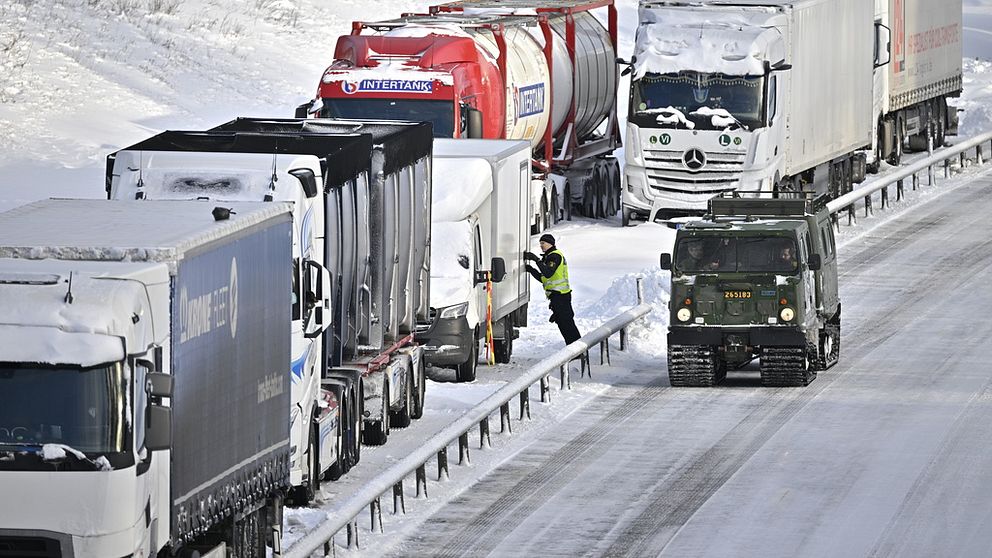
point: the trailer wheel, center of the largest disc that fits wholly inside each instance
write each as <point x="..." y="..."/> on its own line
<point x="340" y="465"/>
<point x="555" y="208"/>
<point x="466" y="371"/>
<point x="377" y="431"/>
<point x="895" y="158"/>
<point x="401" y="417"/>
<point x="418" y="400"/>
<point x="357" y="423"/>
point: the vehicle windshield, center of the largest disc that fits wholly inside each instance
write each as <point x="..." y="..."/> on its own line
<point x="82" y="408"/>
<point x="439" y="113"/>
<point x="728" y="254"/>
<point x="708" y="101"/>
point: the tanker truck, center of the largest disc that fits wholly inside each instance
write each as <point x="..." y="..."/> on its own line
<point x="143" y="394"/>
<point x="782" y="96"/>
<point x="542" y="71"/>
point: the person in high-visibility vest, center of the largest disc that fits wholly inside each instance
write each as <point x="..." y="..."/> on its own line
<point x="552" y="272"/>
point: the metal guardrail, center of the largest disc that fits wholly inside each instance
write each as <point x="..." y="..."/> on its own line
<point x="897" y="178"/>
<point x="344" y="514"/>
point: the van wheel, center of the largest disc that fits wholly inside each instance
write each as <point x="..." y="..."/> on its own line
<point x="503" y="348"/>
<point x="466" y="370"/>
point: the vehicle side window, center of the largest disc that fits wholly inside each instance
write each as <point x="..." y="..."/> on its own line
<point x="807" y="244"/>
<point x="296" y="289"/>
<point x="772" y="94"/>
<point x="827" y="252"/>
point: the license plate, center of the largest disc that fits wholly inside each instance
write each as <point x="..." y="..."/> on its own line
<point x="736" y="295"/>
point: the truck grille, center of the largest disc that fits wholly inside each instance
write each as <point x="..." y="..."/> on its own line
<point x="29" y="547"/>
<point x="668" y="171"/>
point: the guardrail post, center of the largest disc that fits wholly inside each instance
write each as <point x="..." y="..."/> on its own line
<point x="930" y="177"/>
<point x="585" y="365"/>
<point x="623" y="339"/>
<point x="916" y="181"/>
<point x="604" y="351"/>
<point x="900" y="190"/>
<point x="640" y="290"/>
<point x="463" y="456"/>
<point x="422" y="480"/>
<point x="525" y="404"/>
<point x="566" y="382"/>
<point x="399" y="503"/>
<point x="851" y="217"/>
<point x="352" y="535"/>
<point x="545" y="389"/>
<point x="442" y="464"/>
<point x="484" y="441"/>
<point x="375" y="508"/>
<point x="978" y="154"/>
<point x="504" y="418"/>
<point x="885" y="197"/>
<point x="962" y="159"/>
<point x="947" y="168"/>
<point x="869" y="211"/>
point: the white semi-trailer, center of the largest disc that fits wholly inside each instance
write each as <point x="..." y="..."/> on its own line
<point x="747" y="94"/>
<point x="480" y="220"/>
<point x="176" y="165"/>
<point x="143" y="393"/>
<point x="919" y="68"/>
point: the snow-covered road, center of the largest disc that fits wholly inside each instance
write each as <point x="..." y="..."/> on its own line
<point x="884" y="455"/>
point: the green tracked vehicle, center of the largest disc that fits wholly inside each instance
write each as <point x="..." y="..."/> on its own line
<point x="754" y="278"/>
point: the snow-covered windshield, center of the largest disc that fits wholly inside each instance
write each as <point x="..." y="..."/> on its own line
<point x="723" y="253"/>
<point x="709" y="101"/>
<point x="439" y="113"/>
<point x="82" y="408"/>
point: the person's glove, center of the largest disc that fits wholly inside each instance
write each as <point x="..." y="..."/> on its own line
<point x="530" y="256"/>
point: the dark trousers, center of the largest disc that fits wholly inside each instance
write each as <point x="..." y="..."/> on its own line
<point x="562" y="314"/>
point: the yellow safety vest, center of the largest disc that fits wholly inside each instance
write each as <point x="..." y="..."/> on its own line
<point x="558" y="282"/>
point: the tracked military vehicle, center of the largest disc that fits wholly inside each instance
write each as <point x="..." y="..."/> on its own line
<point x="755" y="278"/>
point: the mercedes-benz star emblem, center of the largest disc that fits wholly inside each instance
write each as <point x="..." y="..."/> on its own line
<point x="694" y="159"/>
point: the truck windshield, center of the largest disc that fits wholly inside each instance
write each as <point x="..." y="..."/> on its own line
<point x="82" y="408"/>
<point x="728" y="254"/>
<point x="439" y="113"/>
<point x="708" y="101"/>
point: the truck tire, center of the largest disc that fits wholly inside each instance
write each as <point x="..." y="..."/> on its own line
<point x="377" y="431"/>
<point x="418" y="399"/>
<point x="303" y="495"/>
<point x="248" y="535"/>
<point x="340" y="466"/>
<point x="555" y="208"/>
<point x="357" y="424"/>
<point x="465" y="372"/>
<point x="401" y="417"/>
<point x="895" y="158"/>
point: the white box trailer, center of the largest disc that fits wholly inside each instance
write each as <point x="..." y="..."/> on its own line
<point x="143" y="393"/>
<point x="746" y="94"/>
<point x="481" y="228"/>
<point x="919" y="62"/>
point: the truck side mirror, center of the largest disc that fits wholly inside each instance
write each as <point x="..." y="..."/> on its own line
<point x="158" y="384"/>
<point x="301" y="111"/>
<point x="666" y="261"/>
<point x="316" y="300"/>
<point x="307" y="180"/>
<point x="883" y="45"/>
<point x="498" y="270"/>
<point x="474" y="123"/>
<point x="815" y="262"/>
<point x="158" y="434"/>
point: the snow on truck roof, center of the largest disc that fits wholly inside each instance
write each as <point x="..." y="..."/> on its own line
<point x="137" y="231"/>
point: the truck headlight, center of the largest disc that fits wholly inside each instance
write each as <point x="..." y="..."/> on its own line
<point x="787" y="314"/>
<point x="684" y="314"/>
<point x="451" y="312"/>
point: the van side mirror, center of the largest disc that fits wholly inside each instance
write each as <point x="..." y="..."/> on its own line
<point x="666" y="261"/>
<point x="158" y="434"/>
<point x="498" y="269"/>
<point x="815" y="262"/>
